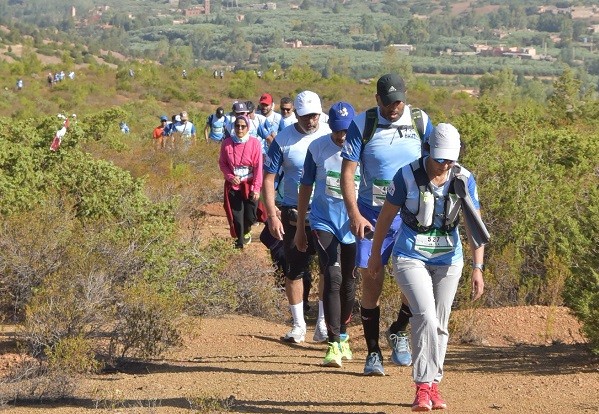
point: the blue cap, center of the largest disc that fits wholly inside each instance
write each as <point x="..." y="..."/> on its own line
<point x="163" y="118"/>
<point x="340" y="116"/>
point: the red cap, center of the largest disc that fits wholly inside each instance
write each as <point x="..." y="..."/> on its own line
<point x="266" y="99"/>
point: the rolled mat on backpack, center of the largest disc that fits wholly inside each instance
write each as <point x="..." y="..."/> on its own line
<point x="478" y="230"/>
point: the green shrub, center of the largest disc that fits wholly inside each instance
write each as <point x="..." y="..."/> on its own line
<point x="73" y="355"/>
<point x="147" y="321"/>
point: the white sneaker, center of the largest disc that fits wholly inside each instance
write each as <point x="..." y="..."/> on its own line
<point x="320" y="333"/>
<point x="296" y="335"/>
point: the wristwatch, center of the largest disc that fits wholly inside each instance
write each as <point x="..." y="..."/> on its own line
<point x="478" y="266"/>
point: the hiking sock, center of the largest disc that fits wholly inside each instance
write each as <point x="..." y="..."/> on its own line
<point x="307" y="281"/>
<point x="297" y="313"/>
<point x="370" y="324"/>
<point x="403" y="318"/>
<point x="320" y="312"/>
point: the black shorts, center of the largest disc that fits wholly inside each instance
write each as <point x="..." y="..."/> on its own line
<point x="298" y="262"/>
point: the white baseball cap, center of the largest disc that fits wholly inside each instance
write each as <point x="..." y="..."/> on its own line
<point x="307" y="102"/>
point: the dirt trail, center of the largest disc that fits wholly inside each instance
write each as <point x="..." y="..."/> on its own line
<point x="533" y="361"/>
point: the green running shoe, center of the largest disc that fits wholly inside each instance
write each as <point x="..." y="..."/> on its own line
<point x="333" y="355"/>
<point x="345" y="350"/>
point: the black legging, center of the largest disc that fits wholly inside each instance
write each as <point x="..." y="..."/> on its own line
<point x="337" y="261"/>
<point x="244" y="214"/>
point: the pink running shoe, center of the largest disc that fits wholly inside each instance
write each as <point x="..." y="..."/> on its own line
<point x="437" y="400"/>
<point x="422" y="402"/>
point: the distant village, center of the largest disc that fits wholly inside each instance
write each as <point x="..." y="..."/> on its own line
<point x="590" y="13"/>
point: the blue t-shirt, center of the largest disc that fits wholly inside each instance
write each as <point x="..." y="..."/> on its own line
<point x="264" y="130"/>
<point x="217" y="127"/>
<point x="322" y="167"/>
<point x="387" y="151"/>
<point x="274" y="119"/>
<point x="285" y="122"/>
<point x="185" y="128"/>
<point x="288" y="151"/>
<point x="433" y="247"/>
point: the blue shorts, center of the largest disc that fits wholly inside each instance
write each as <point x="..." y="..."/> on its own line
<point x="363" y="246"/>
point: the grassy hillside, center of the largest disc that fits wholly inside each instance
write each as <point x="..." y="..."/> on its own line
<point x="102" y="236"/>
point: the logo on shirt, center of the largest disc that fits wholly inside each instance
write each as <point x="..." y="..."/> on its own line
<point x="347" y="148"/>
<point x="391" y="188"/>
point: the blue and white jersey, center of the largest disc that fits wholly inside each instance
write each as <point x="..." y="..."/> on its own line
<point x="255" y="125"/>
<point x="217" y="127"/>
<point x="185" y="128"/>
<point x="229" y="121"/>
<point x="274" y="119"/>
<point x="288" y="150"/>
<point x="433" y="247"/>
<point x="285" y="122"/>
<point x="322" y="169"/>
<point x="264" y="131"/>
<point x="387" y="151"/>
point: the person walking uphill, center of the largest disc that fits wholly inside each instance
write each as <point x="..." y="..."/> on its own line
<point x="288" y="150"/>
<point x="335" y="244"/>
<point x="158" y="133"/>
<point x="241" y="163"/>
<point x="427" y="255"/>
<point x="382" y="139"/>
<point x="215" y="125"/>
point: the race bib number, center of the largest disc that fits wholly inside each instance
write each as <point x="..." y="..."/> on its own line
<point x="217" y="130"/>
<point x="379" y="191"/>
<point x="244" y="173"/>
<point x="333" y="184"/>
<point x="434" y="243"/>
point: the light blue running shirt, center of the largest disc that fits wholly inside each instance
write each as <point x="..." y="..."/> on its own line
<point x="434" y="247"/>
<point x="388" y="150"/>
<point x="322" y="169"/>
<point x="289" y="150"/>
<point x="217" y="127"/>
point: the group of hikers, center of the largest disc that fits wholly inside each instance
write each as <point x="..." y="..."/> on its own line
<point x="177" y="132"/>
<point x="357" y="190"/>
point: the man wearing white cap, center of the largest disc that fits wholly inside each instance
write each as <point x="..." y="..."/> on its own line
<point x="288" y="150"/>
<point x="427" y="254"/>
<point x="184" y="134"/>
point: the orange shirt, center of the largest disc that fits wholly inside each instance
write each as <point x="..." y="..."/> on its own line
<point x="158" y="132"/>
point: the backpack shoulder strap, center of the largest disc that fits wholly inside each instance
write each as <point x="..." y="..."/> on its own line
<point x="420" y="175"/>
<point x="418" y="121"/>
<point x="372" y="119"/>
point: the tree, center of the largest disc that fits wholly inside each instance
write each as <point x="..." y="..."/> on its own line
<point x="417" y="31"/>
<point x="564" y="103"/>
<point x="394" y="62"/>
<point x="368" y="25"/>
<point x="501" y="84"/>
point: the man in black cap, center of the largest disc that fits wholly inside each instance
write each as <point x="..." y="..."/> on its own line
<point x="215" y="126"/>
<point x="381" y="140"/>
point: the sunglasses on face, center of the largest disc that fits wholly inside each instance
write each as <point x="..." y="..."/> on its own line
<point x="240" y="126"/>
<point x="285" y="109"/>
<point x="443" y="160"/>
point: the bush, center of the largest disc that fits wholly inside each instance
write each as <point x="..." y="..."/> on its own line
<point x="147" y="322"/>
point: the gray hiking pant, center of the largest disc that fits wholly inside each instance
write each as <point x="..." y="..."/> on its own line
<point x="430" y="291"/>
